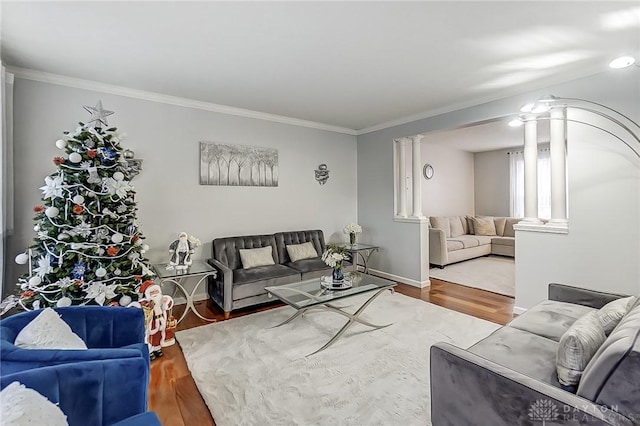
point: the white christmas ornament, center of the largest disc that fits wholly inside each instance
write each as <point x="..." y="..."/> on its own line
<point x="36" y="305"/>
<point x="74" y="157"/>
<point x="125" y="300"/>
<point x="117" y="238"/>
<point x="138" y="242"/>
<point x="64" y="301"/>
<point x="61" y="144"/>
<point x="145" y="247"/>
<point x="101" y="272"/>
<point x="63" y="236"/>
<point x="78" y="199"/>
<point x="117" y="272"/>
<point x="52" y="211"/>
<point x="35" y="281"/>
<point x="22" y="258"/>
<point x="36" y="228"/>
<point x="118" y="176"/>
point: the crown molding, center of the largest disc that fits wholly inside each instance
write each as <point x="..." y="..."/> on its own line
<point x="515" y="91"/>
<point x="45" y="77"/>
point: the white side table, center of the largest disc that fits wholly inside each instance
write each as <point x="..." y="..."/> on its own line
<point x="177" y="277"/>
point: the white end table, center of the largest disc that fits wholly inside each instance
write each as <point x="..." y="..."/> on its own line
<point x="198" y="268"/>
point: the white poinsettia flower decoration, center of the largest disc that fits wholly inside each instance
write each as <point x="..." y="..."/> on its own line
<point x="53" y="187"/>
<point x="83" y="229"/>
<point x="117" y="137"/>
<point x="64" y="282"/>
<point x="76" y="132"/>
<point x="116" y="187"/>
<point x="100" y="292"/>
<point x="44" y="266"/>
<point x="352" y="228"/>
<point x="85" y="165"/>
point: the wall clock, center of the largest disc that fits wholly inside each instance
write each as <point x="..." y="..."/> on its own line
<point x="427" y="171"/>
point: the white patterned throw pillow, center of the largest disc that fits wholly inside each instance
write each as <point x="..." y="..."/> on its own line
<point x="48" y="331"/>
<point x="611" y="313"/>
<point x="301" y="251"/>
<point x="21" y="406"/>
<point x="256" y="257"/>
<point x="576" y="348"/>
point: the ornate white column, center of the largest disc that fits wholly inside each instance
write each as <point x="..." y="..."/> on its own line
<point x="402" y="177"/>
<point x="416" y="175"/>
<point x="558" y="154"/>
<point x="531" y="169"/>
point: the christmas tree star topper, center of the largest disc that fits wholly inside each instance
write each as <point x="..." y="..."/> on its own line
<point x="98" y="114"/>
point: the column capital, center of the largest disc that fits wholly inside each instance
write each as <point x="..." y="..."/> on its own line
<point x="417" y="138"/>
<point x="401" y="140"/>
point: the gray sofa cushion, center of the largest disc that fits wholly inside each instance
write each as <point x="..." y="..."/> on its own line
<point x="550" y="319"/>
<point x="251" y="282"/>
<point x="466" y="240"/>
<point x="524" y="352"/>
<point x="309" y="265"/>
<point x="259" y="273"/>
<point x="283" y="239"/>
<point x="577" y="346"/>
<point x="616" y="362"/>
<point x="226" y="250"/>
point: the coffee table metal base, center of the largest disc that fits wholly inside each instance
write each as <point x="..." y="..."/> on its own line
<point x="339" y="310"/>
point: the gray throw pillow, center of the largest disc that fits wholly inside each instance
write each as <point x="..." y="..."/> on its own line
<point x="576" y="348"/>
<point x="611" y="313"/>
<point x="484" y="226"/>
<point x="455" y="225"/>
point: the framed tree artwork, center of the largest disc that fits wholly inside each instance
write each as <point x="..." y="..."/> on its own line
<point x="238" y="165"/>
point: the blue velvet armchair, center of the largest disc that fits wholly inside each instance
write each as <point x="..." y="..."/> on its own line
<point x="109" y="332"/>
<point x="102" y="385"/>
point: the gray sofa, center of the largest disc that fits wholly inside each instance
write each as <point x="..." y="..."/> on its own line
<point x="454" y="239"/>
<point x="236" y="287"/>
<point x="510" y="378"/>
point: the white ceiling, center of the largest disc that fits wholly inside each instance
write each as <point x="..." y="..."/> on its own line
<point x="482" y="137"/>
<point x="348" y="64"/>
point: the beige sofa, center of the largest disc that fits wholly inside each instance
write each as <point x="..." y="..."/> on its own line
<point x="457" y="238"/>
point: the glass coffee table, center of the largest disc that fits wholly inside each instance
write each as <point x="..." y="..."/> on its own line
<point x="307" y="295"/>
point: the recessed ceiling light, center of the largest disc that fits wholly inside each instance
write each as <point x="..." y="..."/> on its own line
<point x="622" y="62"/>
<point x="516" y="122"/>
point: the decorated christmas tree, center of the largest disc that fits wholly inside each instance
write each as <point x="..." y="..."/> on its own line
<point x="88" y="247"/>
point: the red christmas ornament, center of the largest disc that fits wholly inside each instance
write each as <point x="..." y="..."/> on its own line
<point x="77" y="209"/>
<point x="27" y="294"/>
<point x="58" y="160"/>
<point x="112" y="251"/>
<point x="38" y="209"/>
<point x="92" y="153"/>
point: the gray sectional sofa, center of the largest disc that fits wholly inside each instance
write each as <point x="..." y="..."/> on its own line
<point x="454" y="238"/>
<point x="510" y="377"/>
<point x="236" y="287"/>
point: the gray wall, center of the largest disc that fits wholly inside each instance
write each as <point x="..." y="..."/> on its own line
<point x="450" y="192"/>
<point x="169" y="197"/>
<point x="491" y="177"/>
<point x="402" y="252"/>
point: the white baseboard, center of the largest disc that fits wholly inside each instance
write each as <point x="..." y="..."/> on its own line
<point x="518" y="310"/>
<point x="400" y="279"/>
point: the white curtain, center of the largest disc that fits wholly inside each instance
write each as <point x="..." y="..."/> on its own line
<point x="6" y="171"/>
<point x="516" y="162"/>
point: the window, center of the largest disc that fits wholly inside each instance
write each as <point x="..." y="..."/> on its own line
<point x="517" y="183"/>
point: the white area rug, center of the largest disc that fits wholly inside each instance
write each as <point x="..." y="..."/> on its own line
<point x="251" y="374"/>
<point x="494" y="273"/>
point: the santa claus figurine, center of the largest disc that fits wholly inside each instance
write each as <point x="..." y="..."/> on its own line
<point x="157" y="308"/>
<point x="181" y="251"/>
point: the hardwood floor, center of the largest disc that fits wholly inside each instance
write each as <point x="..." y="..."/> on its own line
<point x="173" y="394"/>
